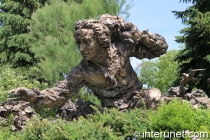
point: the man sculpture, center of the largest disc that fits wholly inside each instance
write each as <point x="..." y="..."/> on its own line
<point x="105" y="45"/>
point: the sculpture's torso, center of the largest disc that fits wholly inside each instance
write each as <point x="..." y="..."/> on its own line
<point x="113" y="81"/>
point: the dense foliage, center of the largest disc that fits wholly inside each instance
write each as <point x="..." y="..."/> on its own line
<point x="159" y="73"/>
<point x="178" y="116"/>
<point x="15" y="42"/>
<point x="9" y="79"/>
<point x="116" y="125"/>
<point x="196" y="38"/>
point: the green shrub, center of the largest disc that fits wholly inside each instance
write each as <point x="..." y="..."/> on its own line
<point x="5" y="133"/>
<point x="178" y="116"/>
<point x="87" y="95"/>
<point x="111" y="125"/>
<point x="61" y="130"/>
<point x="48" y="113"/>
<point x="9" y="79"/>
<point x="115" y="125"/>
<point x="122" y="123"/>
<point x="203" y="117"/>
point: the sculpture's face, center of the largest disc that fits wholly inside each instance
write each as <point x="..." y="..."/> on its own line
<point x="87" y="43"/>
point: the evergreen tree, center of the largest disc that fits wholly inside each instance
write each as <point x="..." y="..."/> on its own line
<point x="15" y="42"/>
<point x="196" y="38"/>
<point x="53" y="28"/>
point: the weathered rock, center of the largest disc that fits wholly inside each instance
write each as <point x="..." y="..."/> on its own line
<point x="71" y="111"/>
<point x="197" y="98"/>
<point x="153" y="98"/>
<point x="175" y="92"/>
<point x="147" y="98"/>
<point x="20" y="110"/>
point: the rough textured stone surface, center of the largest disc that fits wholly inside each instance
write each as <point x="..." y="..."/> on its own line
<point x="197" y="98"/>
<point x="70" y="111"/>
<point x="21" y="111"/>
<point x="106" y="46"/>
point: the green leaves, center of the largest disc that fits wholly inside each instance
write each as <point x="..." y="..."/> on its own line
<point x="15" y="42"/>
<point x="159" y="73"/>
<point x="178" y="116"/>
<point x="55" y="46"/>
<point x="9" y="79"/>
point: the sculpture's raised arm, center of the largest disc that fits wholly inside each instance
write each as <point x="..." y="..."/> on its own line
<point x="54" y="96"/>
<point x="146" y="45"/>
<point x="149" y="46"/>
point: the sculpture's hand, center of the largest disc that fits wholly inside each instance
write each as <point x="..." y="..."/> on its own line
<point x="131" y="32"/>
<point x="45" y="98"/>
<point x="154" y="42"/>
<point x="23" y="94"/>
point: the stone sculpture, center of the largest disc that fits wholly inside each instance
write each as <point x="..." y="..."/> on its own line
<point x="197" y="98"/>
<point x="188" y="77"/>
<point x="105" y="45"/>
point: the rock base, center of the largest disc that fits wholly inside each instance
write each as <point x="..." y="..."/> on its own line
<point x="20" y="110"/>
<point x="197" y="98"/>
<point x="146" y="98"/>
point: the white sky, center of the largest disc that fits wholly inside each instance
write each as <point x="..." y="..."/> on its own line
<point x="156" y="16"/>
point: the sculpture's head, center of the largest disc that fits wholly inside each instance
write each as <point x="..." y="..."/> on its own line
<point x="90" y="36"/>
<point x="93" y="37"/>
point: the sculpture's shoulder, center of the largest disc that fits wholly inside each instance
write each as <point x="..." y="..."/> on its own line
<point x="76" y="73"/>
